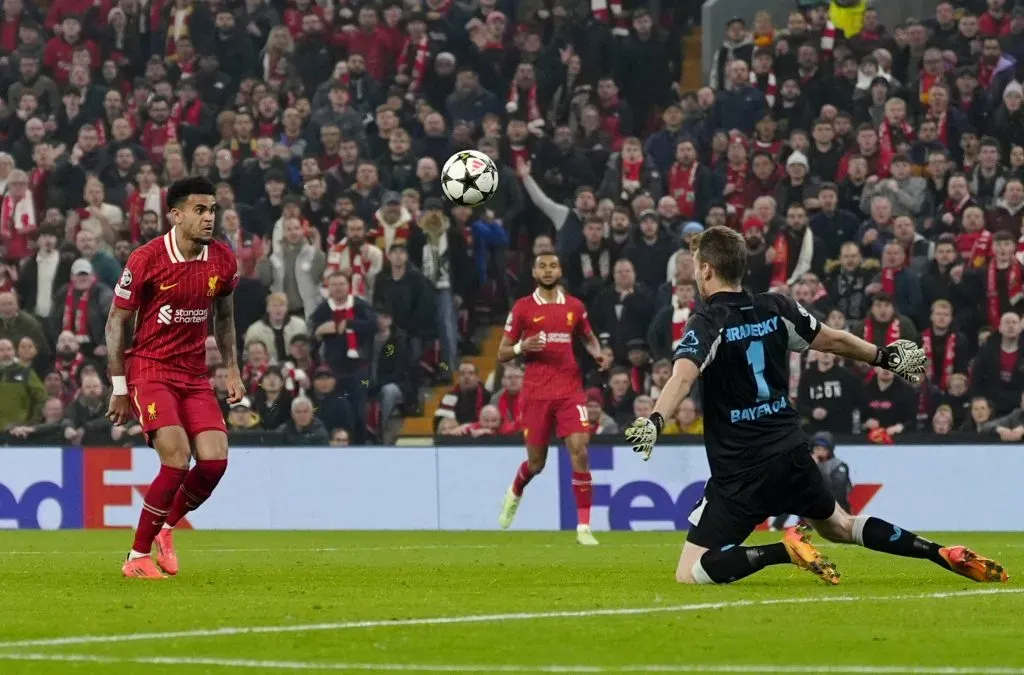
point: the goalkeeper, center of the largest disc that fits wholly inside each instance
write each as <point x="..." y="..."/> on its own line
<point x="760" y="459"/>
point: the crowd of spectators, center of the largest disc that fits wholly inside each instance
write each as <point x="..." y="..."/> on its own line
<point x="876" y="174"/>
<point x="323" y="126"/>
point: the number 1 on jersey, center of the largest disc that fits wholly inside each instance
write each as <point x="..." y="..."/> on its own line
<point x="755" y="357"/>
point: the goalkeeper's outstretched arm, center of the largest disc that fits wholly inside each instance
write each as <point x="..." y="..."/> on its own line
<point x="845" y="344"/>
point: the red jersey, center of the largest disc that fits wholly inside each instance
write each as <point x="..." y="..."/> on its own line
<point x="551" y="373"/>
<point x="173" y="298"/>
<point x="155" y="138"/>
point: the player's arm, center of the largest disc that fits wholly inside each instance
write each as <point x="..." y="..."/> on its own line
<point x="116" y="333"/>
<point x="902" y="357"/>
<point x="684" y="374"/>
<point x="512" y="345"/>
<point x="692" y="355"/>
<point x="590" y="341"/>
<point x="224" y="333"/>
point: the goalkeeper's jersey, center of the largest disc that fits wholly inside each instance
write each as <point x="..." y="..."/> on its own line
<point x="741" y="343"/>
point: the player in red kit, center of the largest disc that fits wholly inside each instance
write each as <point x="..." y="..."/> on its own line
<point x="541" y="328"/>
<point x="170" y="286"/>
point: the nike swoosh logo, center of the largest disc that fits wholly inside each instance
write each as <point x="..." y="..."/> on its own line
<point x="538" y="318"/>
<point x="167" y="287"/>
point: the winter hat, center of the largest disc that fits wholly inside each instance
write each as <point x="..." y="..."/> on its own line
<point x="1013" y="88"/>
<point x="797" y="158"/>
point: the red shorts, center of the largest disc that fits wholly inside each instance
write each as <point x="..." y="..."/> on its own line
<point x="564" y="416"/>
<point x="192" y="406"/>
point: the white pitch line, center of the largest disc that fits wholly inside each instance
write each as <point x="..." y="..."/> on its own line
<point x="343" y="549"/>
<point x="460" y="668"/>
<point x="411" y="547"/>
<point x="488" y="618"/>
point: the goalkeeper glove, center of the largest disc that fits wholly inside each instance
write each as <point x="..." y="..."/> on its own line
<point x="903" y="358"/>
<point x="643" y="434"/>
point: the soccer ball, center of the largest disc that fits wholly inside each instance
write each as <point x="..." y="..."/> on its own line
<point x="469" y="178"/>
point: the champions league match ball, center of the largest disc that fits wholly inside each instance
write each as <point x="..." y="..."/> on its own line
<point x="469" y="178"/>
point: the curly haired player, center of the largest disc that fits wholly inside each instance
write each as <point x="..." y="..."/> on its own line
<point x="541" y="329"/>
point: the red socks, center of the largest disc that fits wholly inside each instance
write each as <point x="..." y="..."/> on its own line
<point x="523" y="478"/>
<point x="581" y="490"/>
<point x="156" y="506"/>
<point x="197" y="488"/>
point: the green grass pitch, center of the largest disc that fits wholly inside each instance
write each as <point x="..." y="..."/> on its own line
<point x="339" y="602"/>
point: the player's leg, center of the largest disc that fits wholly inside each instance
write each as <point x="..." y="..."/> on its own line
<point x="537" y="428"/>
<point x="157" y="408"/>
<point x="712" y="554"/>
<point x="572" y="425"/>
<point x="879" y="535"/>
<point x="205" y="425"/>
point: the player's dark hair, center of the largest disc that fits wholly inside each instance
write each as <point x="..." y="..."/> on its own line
<point x="543" y="254"/>
<point x="725" y="250"/>
<point x="186" y="187"/>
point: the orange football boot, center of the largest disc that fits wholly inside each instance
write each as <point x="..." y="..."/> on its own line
<point x="166" y="558"/>
<point x="142" y="568"/>
<point x="797" y="541"/>
<point x="967" y="563"/>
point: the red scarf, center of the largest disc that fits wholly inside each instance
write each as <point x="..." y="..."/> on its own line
<point x="773" y="148"/>
<point x="190" y="115"/>
<point x="886" y="145"/>
<point x="76" y="317"/>
<point x="37" y="183"/>
<point x="981" y="249"/>
<point x="942" y="124"/>
<point x="948" y="358"/>
<point x="599" y="8"/>
<point x="927" y="82"/>
<point x="357" y="269"/>
<point x="986" y="73"/>
<point x="771" y="87"/>
<point x="828" y="40"/>
<point x="68" y="370"/>
<point x="738" y="178"/>
<point x="780" y="268"/>
<point x="680" y="315"/>
<point x="253" y="375"/>
<point x="891" y="335"/>
<point x="682" y="185"/>
<point x="636" y="378"/>
<point x="346" y="312"/>
<point x="16" y="229"/>
<point x="1014" y="289"/>
<point x="336" y="228"/>
<point x="420" y="54"/>
<point x="532" y="109"/>
<point x="889" y="281"/>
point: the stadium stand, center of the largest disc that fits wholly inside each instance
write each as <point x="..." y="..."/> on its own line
<point x="875" y="170"/>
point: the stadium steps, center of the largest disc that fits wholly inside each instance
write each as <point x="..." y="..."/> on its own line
<point x="424" y="425"/>
<point x="693" y="75"/>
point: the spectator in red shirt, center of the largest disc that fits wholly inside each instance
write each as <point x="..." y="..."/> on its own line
<point x="375" y="43"/>
<point x="996" y="21"/>
<point x="58" y="56"/>
<point x="61" y="9"/>
<point x="159" y="130"/>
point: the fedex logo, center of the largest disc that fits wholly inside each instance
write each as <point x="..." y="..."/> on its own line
<point x="630" y="500"/>
<point x="41" y="488"/>
<point x="72" y="488"/>
<point x="116" y="481"/>
<point x="636" y="504"/>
